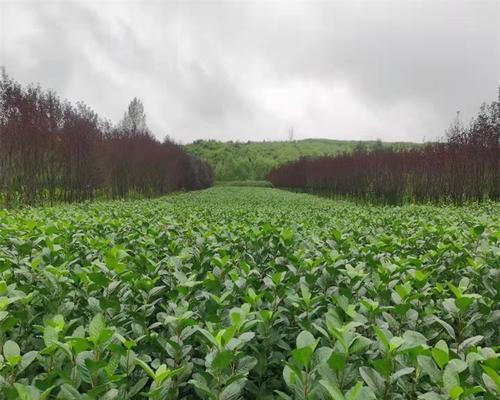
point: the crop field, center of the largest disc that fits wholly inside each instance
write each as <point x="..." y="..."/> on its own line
<point x="249" y="293"/>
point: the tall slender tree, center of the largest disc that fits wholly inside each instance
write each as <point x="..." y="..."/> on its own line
<point x="134" y="119"/>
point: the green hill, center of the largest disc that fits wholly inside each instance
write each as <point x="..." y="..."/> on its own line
<point x="253" y="160"/>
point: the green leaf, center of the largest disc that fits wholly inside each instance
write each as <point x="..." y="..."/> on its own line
<point x="111" y="394"/>
<point x="472" y="341"/>
<point x="68" y="392"/>
<point x="222" y="360"/>
<point x="413" y="339"/>
<point x="492" y="374"/>
<point x="3" y="287"/>
<point x="383" y="365"/>
<point x="356" y="392"/>
<point x="50" y="336"/>
<point x="287" y="234"/>
<point x="456" y="291"/>
<point x="455" y="392"/>
<point x="282" y="395"/>
<point x="201" y="386"/>
<point x="232" y="391"/>
<point x="373" y="379"/>
<point x="246" y="337"/>
<point x="382" y="337"/>
<point x="302" y="356"/>
<point x="27" y="392"/>
<point x="337" y="361"/>
<point x="26" y="361"/>
<point x="431" y="396"/>
<point x="463" y="303"/>
<point x="440" y="353"/>
<point x="97" y="326"/>
<point x="99" y="278"/>
<point x="446" y="326"/>
<point x="46" y="393"/>
<point x="208" y="335"/>
<point x="137" y="387"/>
<point x="333" y="391"/>
<point x="401" y="372"/>
<point x="306" y="339"/>
<point x="359" y="344"/>
<point x="451" y="379"/>
<point x="11" y="352"/>
<point x="145" y="367"/>
<point x="429" y="367"/>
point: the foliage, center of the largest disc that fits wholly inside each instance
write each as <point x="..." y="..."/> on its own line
<point x="245" y="183"/>
<point x="235" y="161"/>
<point x="251" y="293"/>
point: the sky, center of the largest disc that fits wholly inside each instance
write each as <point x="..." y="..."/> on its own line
<point x="252" y="70"/>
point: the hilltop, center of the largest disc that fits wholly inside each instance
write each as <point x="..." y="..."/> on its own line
<point x="253" y="160"/>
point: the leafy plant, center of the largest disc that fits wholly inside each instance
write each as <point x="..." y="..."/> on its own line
<point x="245" y="293"/>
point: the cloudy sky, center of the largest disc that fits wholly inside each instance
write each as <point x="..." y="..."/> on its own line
<point x="249" y="70"/>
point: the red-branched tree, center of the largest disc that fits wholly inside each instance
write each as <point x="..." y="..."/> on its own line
<point x="51" y="150"/>
<point x="465" y="167"/>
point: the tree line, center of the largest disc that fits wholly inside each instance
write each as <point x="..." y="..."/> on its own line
<point x="53" y="151"/>
<point x="463" y="167"/>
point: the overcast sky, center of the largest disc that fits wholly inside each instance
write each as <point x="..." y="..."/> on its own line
<point x="249" y="70"/>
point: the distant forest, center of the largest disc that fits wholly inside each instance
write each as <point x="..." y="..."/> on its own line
<point x="240" y="161"/>
<point x="52" y="151"/>
<point x="465" y="167"/>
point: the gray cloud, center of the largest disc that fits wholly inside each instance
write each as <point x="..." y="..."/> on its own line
<point x="250" y="69"/>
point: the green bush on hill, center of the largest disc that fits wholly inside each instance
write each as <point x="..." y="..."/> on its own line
<point x="236" y="161"/>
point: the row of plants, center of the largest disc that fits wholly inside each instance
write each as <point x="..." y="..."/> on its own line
<point x="463" y="168"/>
<point x="52" y="151"/>
<point x="249" y="293"/>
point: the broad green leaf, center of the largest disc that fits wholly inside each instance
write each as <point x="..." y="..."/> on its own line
<point x="27" y="392"/>
<point x="26" y="361"/>
<point x="401" y="372"/>
<point x="231" y="392"/>
<point x="429" y="367"/>
<point x="97" y="326"/>
<point x="302" y="356"/>
<point x="11" y="352"/>
<point x="373" y="379"/>
<point x="222" y="360"/>
<point x="306" y="339"/>
<point x="145" y="367"/>
<point x="382" y="337"/>
<point x="337" y="361"/>
<point x="440" y="353"/>
<point x="333" y="391"/>
<point x="356" y="392"/>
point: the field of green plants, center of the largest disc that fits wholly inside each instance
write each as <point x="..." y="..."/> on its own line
<point x="249" y="293"/>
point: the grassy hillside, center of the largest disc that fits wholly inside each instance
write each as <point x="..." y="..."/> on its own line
<point x="253" y="160"/>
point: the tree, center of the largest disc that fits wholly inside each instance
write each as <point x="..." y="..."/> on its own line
<point x="134" y="120"/>
<point x="52" y="150"/>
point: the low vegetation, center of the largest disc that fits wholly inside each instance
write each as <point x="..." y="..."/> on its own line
<point x="250" y="293"/>
<point x="245" y="183"/>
